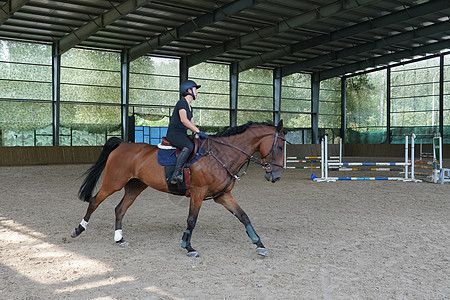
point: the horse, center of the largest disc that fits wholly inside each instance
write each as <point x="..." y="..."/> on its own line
<point x="134" y="167"/>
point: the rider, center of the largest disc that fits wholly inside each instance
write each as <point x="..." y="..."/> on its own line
<point x="179" y="123"/>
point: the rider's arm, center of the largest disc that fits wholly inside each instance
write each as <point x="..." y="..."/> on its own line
<point x="189" y="124"/>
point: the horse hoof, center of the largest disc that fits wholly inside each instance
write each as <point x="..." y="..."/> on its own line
<point x="74" y="233"/>
<point x="193" y="254"/>
<point x="122" y="243"/>
<point x="262" y="251"/>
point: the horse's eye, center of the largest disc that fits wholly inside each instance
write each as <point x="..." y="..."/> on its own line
<point x="280" y="148"/>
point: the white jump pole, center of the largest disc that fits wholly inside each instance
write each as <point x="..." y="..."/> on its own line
<point x="413" y="140"/>
<point x="325" y="157"/>
<point x="420" y="153"/>
<point x="322" y="163"/>
<point x="406" y="157"/>
<point x="440" y="153"/>
<point x="324" y="160"/>
<point x="437" y="167"/>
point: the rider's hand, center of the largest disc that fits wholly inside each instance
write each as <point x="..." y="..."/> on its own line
<point x="202" y="135"/>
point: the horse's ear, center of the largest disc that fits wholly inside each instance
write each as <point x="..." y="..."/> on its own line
<point x="280" y="126"/>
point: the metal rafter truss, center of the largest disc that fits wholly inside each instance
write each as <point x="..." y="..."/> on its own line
<point x="326" y="37"/>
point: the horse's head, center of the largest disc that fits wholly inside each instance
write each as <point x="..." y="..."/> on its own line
<point x="272" y="153"/>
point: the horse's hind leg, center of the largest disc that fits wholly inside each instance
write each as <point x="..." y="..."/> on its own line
<point x="132" y="189"/>
<point x="111" y="184"/>
<point x="229" y="203"/>
<point x="94" y="202"/>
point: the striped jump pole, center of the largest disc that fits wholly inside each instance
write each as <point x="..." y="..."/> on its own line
<point x="326" y="164"/>
<point x="310" y="159"/>
<point x="370" y="164"/>
<point x="302" y="160"/>
<point x="303" y="167"/>
<point x="364" y="178"/>
<point x="372" y="169"/>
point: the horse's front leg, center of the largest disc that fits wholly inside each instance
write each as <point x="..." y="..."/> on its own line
<point x="194" y="208"/>
<point x="229" y="203"/>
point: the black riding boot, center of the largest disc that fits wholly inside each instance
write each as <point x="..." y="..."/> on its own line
<point x="177" y="176"/>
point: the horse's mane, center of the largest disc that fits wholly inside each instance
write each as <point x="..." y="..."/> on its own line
<point x="240" y="129"/>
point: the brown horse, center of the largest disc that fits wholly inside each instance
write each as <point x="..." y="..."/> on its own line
<point x="135" y="166"/>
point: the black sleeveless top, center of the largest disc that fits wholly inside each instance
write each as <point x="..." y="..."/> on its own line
<point x="176" y="126"/>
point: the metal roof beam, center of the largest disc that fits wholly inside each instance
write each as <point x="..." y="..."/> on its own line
<point x="427" y="31"/>
<point x="383" y="60"/>
<point x="9" y="8"/>
<point x="326" y="11"/>
<point x="85" y="31"/>
<point x="393" y="18"/>
<point x="191" y="26"/>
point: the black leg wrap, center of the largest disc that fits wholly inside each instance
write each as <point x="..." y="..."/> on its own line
<point x="80" y="229"/>
<point x="186" y="241"/>
<point x="259" y="244"/>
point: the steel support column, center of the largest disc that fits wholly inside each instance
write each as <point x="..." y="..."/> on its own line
<point x="388" y="105"/>
<point x="276" y="95"/>
<point x="184" y="70"/>
<point x="125" y="93"/>
<point x="234" y="77"/>
<point x="441" y="96"/>
<point x="56" y="95"/>
<point x="315" y="91"/>
<point x="343" y="109"/>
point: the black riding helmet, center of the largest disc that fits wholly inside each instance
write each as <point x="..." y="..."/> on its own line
<point x="188" y="84"/>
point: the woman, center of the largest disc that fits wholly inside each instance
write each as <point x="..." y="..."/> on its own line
<point x="180" y="122"/>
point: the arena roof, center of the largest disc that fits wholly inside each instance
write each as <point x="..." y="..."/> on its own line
<point x="331" y="38"/>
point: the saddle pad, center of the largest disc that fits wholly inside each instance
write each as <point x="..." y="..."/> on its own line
<point x="168" y="158"/>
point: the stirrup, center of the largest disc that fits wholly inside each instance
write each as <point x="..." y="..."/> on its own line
<point x="173" y="180"/>
<point x="179" y="178"/>
<point x="176" y="178"/>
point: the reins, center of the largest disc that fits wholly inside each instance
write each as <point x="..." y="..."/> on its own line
<point x="246" y="163"/>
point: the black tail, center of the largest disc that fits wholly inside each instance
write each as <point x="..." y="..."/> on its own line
<point x="94" y="172"/>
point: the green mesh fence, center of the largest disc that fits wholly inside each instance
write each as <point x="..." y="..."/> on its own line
<point x="424" y="133"/>
<point x="397" y="136"/>
<point x="371" y="137"/>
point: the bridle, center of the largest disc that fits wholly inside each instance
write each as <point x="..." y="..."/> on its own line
<point x="267" y="166"/>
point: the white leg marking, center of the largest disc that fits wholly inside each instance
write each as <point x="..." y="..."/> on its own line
<point x="84" y="223"/>
<point x="118" y="235"/>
